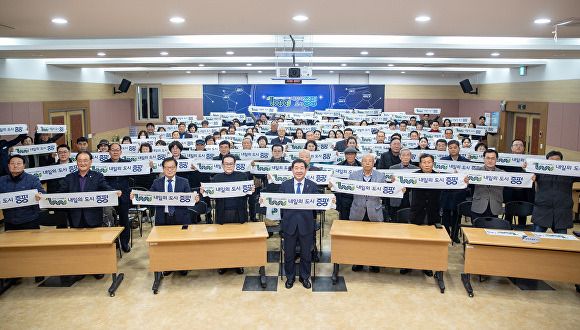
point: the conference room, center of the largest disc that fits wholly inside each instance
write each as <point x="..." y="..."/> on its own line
<point x="270" y="163"/>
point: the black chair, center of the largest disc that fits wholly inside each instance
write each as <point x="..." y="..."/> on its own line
<point x="58" y="218"/>
<point x="491" y="223"/>
<point x="201" y="208"/>
<point x="519" y="209"/>
<point x="403" y="215"/>
<point x="463" y="210"/>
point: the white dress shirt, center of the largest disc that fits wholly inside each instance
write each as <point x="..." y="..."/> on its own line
<point x="301" y="186"/>
<point x="165" y="189"/>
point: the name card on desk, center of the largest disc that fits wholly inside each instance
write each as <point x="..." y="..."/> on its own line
<point x="530" y="239"/>
<point x="556" y="236"/>
<point x="505" y="233"/>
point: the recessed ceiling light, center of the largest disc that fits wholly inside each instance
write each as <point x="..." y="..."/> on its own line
<point x="260" y="71"/>
<point x="391" y="65"/>
<point x="364" y="52"/>
<point x="101" y="54"/>
<point x="430" y="54"/>
<point x="223" y="71"/>
<point x="249" y="64"/>
<point x="176" y="20"/>
<point x="59" y="20"/>
<point x="300" y="18"/>
<point x="164" y="53"/>
<point x="402" y="72"/>
<point x="229" y="52"/>
<point x="331" y="71"/>
<point x="201" y="65"/>
<point x="367" y="72"/>
<point x="494" y="54"/>
<point x="422" y="18"/>
<point x="542" y="21"/>
<point x="343" y="64"/>
<point x="187" y="71"/>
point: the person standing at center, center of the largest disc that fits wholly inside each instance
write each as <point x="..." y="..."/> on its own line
<point x="232" y="209"/>
<point x="345" y="200"/>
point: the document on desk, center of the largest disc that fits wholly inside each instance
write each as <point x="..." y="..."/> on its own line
<point x="556" y="236"/>
<point x="505" y="233"/>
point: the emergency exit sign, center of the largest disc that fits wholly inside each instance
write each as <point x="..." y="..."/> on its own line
<point x="522" y="106"/>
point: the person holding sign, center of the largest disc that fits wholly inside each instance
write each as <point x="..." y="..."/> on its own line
<point x="487" y="200"/>
<point x="121" y="183"/>
<point x="396" y="204"/>
<point x="25" y="217"/>
<point x="451" y="198"/>
<point x="43" y="138"/>
<point x="553" y="203"/>
<point x="4" y="155"/>
<point x="231" y="209"/>
<point x="517" y="194"/>
<point x="345" y="200"/>
<point x="281" y="139"/>
<point x="298" y="226"/>
<point x="85" y="180"/>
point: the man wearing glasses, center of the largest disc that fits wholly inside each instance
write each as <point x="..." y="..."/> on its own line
<point x="518" y="194"/>
<point x="233" y="209"/>
<point x="63" y="153"/>
<point x="487" y="200"/>
<point x="121" y="183"/>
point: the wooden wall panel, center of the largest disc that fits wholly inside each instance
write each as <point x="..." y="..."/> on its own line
<point x="537" y="91"/>
<point x="422" y="92"/>
<point x="182" y="91"/>
<point x="24" y="90"/>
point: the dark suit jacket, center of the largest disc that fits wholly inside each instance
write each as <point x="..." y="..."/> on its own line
<point x="95" y="182"/>
<point x="282" y="142"/>
<point x="220" y="202"/>
<point x="186" y="136"/>
<point x="387" y="160"/>
<point x="181" y="212"/>
<point x="340" y="146"/>
<point x="4" y="156"/>
<point x="303" y="220"/>
<point x="120" y="183"/>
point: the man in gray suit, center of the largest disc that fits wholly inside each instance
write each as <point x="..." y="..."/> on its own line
<point x="400" y="203"/>
<point x="487" y="200"/>
<point x="366" y="208"/>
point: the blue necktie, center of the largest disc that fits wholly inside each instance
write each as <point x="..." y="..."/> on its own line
<point x="298" y="188"/>
<point x="170" y="189"/>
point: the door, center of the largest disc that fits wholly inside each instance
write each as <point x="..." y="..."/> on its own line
<point x="527" y="128"/>
<point x="74" y="119"/>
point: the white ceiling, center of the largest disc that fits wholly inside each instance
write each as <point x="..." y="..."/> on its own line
<point x="132" y="33"/>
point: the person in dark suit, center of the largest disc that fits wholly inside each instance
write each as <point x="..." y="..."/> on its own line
<point x="85" y="180"/>
<point x="305" y="156"/>
<point x="281" y="139"/>
<point x="487" y="200"/>
<point x="396" y="204"/>
<point x="4" y="152"/>
<point x="391" y="157"/>
<point x="273" y="128"/>
<point x="340" y="146"/>
<point x="517" y="194"/>
<point x="225" y="148"/>
<point x="453" y="197"/>
<point x="63" y="152"/>
<point x="298" y="226"/>
<point x="230" y="210"/>
<point x="42" y="138"/>
<point x="182" y="131"/>
<point x="345" y="200"/>
<point x="121" y="183"/>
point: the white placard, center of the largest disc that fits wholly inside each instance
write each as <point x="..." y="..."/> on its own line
<point x="227" y="189"/>
<point x="163" y="198"/>
<point x="122" y="168"/>
<point x="374" y="189"/>
<point x="35" y="149"/>
<point x="264" y="168"/>
<point x="430" y="111"/>
<point x="18" y="199"/>
<point x="432" y="180"/>
<point x="553" y="167"/>
<point x="510" y="233"/>
<point x="319" y="177"/>
<point x="50" y="129"/>
<point x="502" y="179"/>
<point x="298" y="201"/>
<point x="50" y="172"/>
<point x="215" y="166"/>
<point x="79" y="200"/>
<point x="566" y="237"/>
<point x="13" y="129"/>
<point x="458" y="120"/>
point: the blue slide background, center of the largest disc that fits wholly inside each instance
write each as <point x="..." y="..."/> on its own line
<point x="291" y="98"/>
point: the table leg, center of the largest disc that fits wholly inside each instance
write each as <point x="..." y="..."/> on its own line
<point x="263" y="276"/>
<point x="466" y="279"/>
<point x="117" y="279"/>
<point x="157" y="281"/>
<point x="335" y="274"/>
<point x="439" y="277"/>
<point x="5" y="284"/>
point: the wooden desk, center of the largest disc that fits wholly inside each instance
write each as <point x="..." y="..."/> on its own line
<point x="550" y="260"/>
<point x="55" y="252"/>
<point x="389" y="245"/>
<point x="207" y="246"/>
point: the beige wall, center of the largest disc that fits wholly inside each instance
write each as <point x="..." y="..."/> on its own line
<point x="182" y="91"/>
<point x="569" y="155"/>
<point x="539" y="91"/>
<point x="23" y="90"/>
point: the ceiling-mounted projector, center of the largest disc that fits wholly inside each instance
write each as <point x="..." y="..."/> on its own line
<point x="294" y="73"/>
